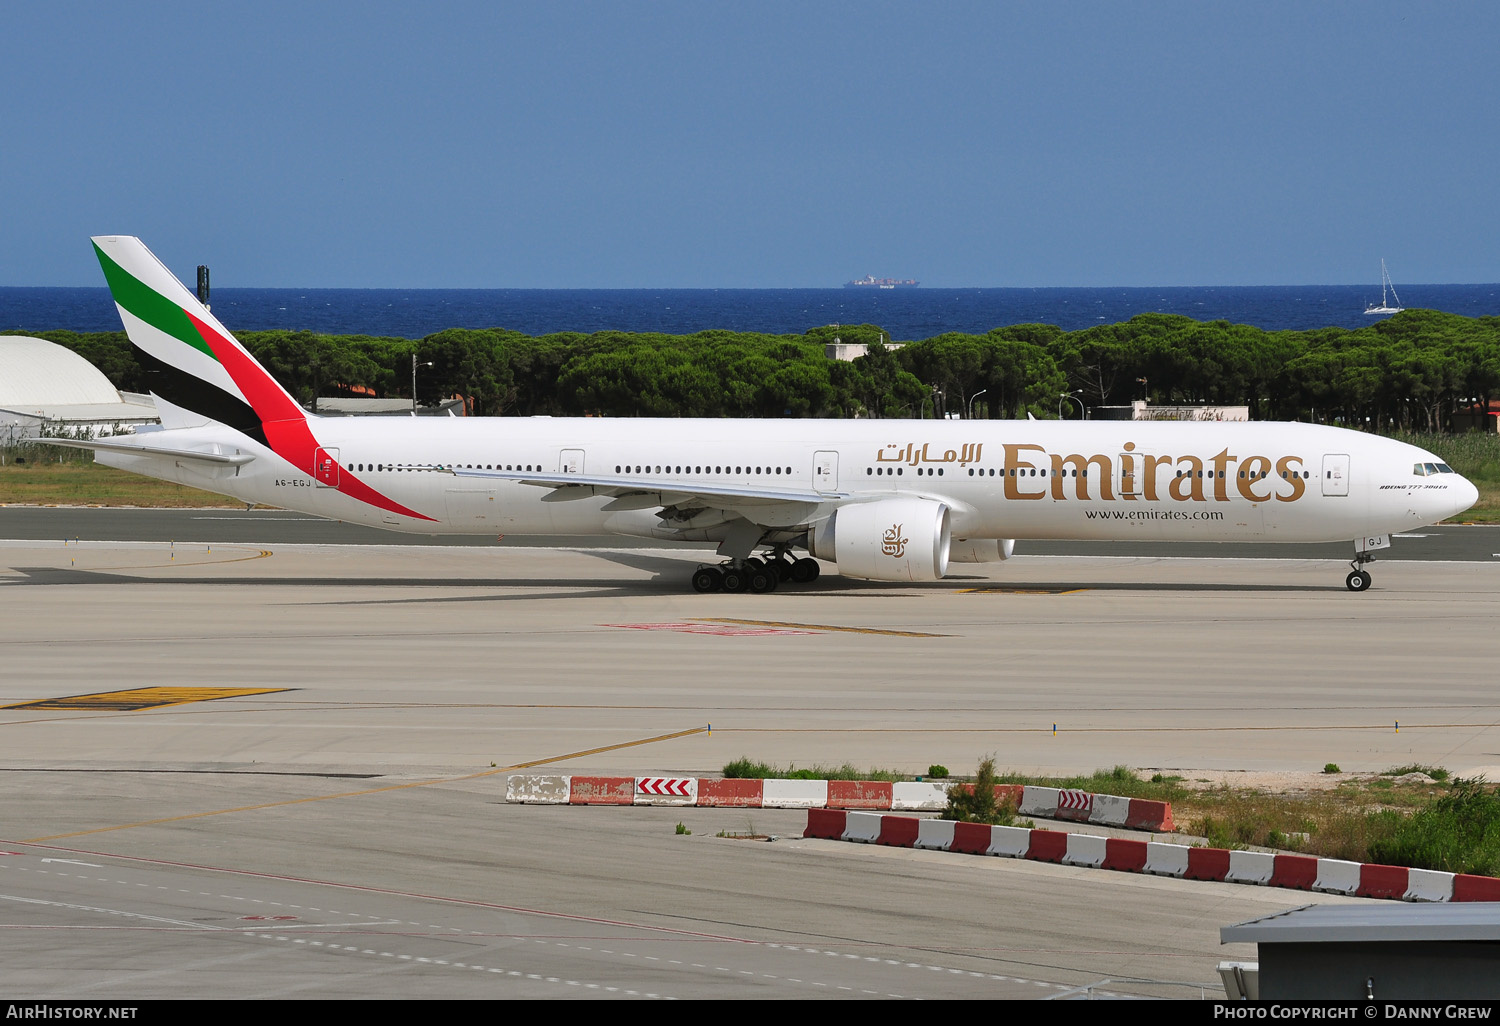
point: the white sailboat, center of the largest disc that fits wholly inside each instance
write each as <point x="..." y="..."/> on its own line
<point x="1387" y="306"/>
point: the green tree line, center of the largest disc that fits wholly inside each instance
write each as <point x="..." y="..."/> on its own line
<point x="1409" y="372"/>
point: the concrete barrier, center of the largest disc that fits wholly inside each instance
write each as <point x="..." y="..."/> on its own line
<point x="1207" y="863"/>
<point x="1109" y="810"/>
<point x="730" y="793"/>
<point x="862" y="826"/>
<point x="826" y="823"/>
<point x="1074" y="805"/>
<point x="936" y="834"/>
<point x="1298" y="872"/>
<point x="537" y="788"/>
<point x="971" y="838"/>
<point x="1166" y="859"/>
<point x="918" y="796"/>
<point x="1038" y="801"/>
<point x="1336" y="876"/>
<point x="1154" y="816"/>
<point x="1475" y="888"/>
<point x="1048" y="846"/>
<point x="666" y="790"/>
<point x="859" y="794"/>
<point x="794" y="794"/>
<point x="1085" y="850"/>
<point x="1125" y="855"/>
<point x="898" y="831"/>
<point x="1428" y="885"/>
<point x="1382" y="881"/>
<point x="1129" y="855"/>
<point x="1251" y="867"/>
<point x="1009" y="842"/>
<point x="602" y="791"/>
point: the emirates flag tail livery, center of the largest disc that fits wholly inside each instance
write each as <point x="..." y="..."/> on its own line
<point x="886" y="500"/>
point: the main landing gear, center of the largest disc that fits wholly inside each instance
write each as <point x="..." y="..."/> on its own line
<point x="1359" y="578"/>
<point x="755" y="574"/>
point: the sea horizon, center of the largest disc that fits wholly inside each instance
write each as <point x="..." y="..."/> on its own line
<point x="907" y="314"/>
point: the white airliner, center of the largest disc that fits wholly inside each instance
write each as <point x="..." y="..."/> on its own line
<point x="886" y="500"/>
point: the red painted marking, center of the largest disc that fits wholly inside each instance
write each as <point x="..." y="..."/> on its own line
<point x="724" y="630"/>
<point x="734" y="793"/>
<point x="1467" y="887"/>
<point x="898" y="831"/>
<point x="1124" y="854"/>
<point x="1047" y="846"/>
<point x="971" y="838"/>
<point x="671" y="787"/>
<point x="1207" y="864"/>
<point x="602" y="791"/>
<point x="859" y="794"/>
<point x="1298" y="872"/>
<point x="1382" y="881"/>
<point x="271" y="918"/>
<point x="1144" y="815"/>
<point x="283" y="421"/>
<point x="1074" y="805"/>
<point x="826" y="823"/>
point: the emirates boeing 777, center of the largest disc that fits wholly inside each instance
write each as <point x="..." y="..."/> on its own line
<point x="885" y="500"/>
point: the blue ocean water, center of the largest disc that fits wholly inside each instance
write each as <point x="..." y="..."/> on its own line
<point x="906" y="314"/>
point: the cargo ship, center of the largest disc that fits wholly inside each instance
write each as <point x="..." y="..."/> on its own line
<point x="869" y="281"/>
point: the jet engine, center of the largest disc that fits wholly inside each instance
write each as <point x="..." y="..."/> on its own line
<point x="886" y="540"/>
<point x="981" y="550"/>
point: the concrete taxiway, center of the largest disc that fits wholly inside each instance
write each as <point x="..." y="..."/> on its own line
<point x="344" y="832"/>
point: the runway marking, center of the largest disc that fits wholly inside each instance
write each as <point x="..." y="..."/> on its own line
<point x="143" y="698"/>
<point x="374" y="790"/>
<point x="1020" y="591"/>
<point x="803" y="627"/>
<point x="722" y="630"/>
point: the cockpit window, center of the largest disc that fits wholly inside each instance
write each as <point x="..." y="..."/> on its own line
<point x="1443" y="468"/>
<point x="1428" y="469"/>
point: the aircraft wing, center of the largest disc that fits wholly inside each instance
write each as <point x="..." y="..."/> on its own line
<point x="135" y="449"/>
<point x="647" y="492"/>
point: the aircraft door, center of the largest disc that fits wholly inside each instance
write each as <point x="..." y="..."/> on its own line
<point x="826" y="471"/>
<point x="326" y="467"/>
<point x="570" y="461"/>
<point x="1130" y="475"/>
<point x="1335" y="475"/>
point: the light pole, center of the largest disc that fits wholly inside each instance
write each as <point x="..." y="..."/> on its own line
<point x="414" y="366"/>
<point x="976" y="395"/>
<point x="1073" y="395"/>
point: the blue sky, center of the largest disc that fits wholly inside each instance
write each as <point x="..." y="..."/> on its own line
<point x="708" y="144"/>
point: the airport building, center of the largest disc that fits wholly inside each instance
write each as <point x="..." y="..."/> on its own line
<point x="46" y="389"/>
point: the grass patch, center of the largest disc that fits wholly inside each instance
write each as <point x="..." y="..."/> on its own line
<point x="1457" y="833"/>
<point x="1435" y="772"/>
<point x="748" y="769"/>
<point x="74" y="479"/>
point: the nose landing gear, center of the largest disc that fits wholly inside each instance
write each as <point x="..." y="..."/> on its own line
<point x="1359" y="578"/>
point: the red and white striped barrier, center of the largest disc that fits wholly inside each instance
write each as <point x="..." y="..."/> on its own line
<point x="1265" y="869"/>
<point x="861" y="795"/>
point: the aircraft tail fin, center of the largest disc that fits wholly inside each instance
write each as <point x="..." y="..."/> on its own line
<point x="197" y="370"/>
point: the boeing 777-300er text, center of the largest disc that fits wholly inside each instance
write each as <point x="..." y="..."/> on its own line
<point x="886" y="500"/>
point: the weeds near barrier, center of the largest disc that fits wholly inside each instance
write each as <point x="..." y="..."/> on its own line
<point x="1457" y="833"/>
<point x="683" y="831"/>
<point x="1435" y="772"/>
<point x="747" y="769"/>
<point x="977" y="802"/>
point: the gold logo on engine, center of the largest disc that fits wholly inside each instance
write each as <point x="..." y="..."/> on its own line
<point x="891" y="542"/>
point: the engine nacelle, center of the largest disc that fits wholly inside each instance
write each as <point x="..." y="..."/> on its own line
<point x="886" y="540"/>
<point x="980" y="550"/>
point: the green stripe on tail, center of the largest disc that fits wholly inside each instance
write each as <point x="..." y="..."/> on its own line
<point x="149" y="305"/>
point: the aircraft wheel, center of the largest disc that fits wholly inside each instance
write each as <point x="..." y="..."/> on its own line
<point x="707" y="579"/>
<point x="783" y="568"/>
<point x="1358" y="580"/>
<point x="735" y="579"/>
<point x="762" y="579"/>
<point x="805" y="571"/>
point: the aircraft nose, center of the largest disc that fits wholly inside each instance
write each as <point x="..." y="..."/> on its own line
<point x="1467" y="495"/>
